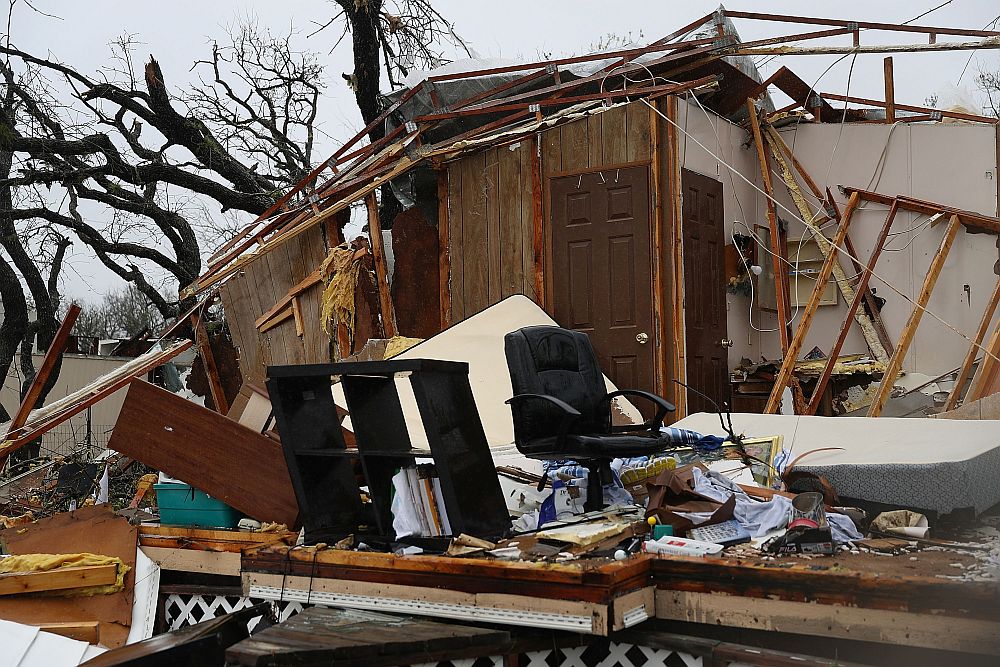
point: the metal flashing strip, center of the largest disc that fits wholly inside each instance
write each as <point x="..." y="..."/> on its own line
<point x="570" y="622"/>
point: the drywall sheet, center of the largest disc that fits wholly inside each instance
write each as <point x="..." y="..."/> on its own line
<point x="479" y="342"/>
<point x="933" y="464"/>
<point x="27" y="646"/>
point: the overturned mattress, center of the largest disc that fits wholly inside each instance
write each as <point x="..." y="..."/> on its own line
<point x="930" y="464"/>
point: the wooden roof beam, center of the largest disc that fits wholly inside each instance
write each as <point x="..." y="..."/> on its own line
<point x="859" y="25"/>
<point x="940" y="113"/>
<point x="977" y="221"/>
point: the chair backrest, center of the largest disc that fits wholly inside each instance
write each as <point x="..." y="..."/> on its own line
<point x="561" y="363"/>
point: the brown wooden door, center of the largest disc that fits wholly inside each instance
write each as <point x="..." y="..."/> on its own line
<point x="601" y="272"/>
<point x="705" y="291"/>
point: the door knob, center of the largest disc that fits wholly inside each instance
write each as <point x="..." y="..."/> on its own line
<point x="641" y="338"/>
<point x="725" y="342"/>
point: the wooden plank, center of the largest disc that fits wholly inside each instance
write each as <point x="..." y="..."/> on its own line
<point x="857" y="624"/>
<point x="493" y="238"/>
<point x="984" y="381"/>
<point x="525" y="157"/>
<point x="474" y="233"/>
<point x="638" y="138"/>
<point x="780" y="273"/>
<point x="456" y="242"/>
<point x="275" y="320"/>
<point x="879" y="48"/>
<point x="812" y="306"/>
<point x="596" y="144"/>
<point x="910" y="107"/>
<point x="660" y="255"/>
<point x="352" y="638"/>
<point x="910" y="329"/>
<point x="280" y="275"/>
<point x="852" y="309"/>
<point x="94" y="393"/>
<point x="161" y="430"/>
<point x="61" y="578"/>
<point x="509" y="195"/>
<point x="613" y="137"/>
<point x="260" y="297"/>
<point x="970" y="356"/>
<point x="855" y="25"/>
<point x="34" y="392"/>
<point x="285" y="301"/>
<point x="390" y="594"/>
<point x="575" y="145"/>
<point x="381" y="269"/>
<point x="970" y="219"/>
<point x="444" y="250"/>
<point x="534" y="156"/>
<point x="890" y="95"/>
<point x="676" y="216"/>
<point x="208" y="360"/>
<point x="194" y="561"/>
<point x="239" y="314"/>
<point x="84" y="631"/>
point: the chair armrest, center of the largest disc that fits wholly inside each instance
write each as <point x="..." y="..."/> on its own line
<point x="663" y="407"/>
<point x="570" y="413"/>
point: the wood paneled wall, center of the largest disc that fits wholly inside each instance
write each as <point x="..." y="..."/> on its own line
<point x="490" y="218"/>
<point x="260" y="285"/>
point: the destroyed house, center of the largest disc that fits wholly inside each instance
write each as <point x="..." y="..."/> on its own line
<point x="628" y="195"/>
<point x="721" y="237"/>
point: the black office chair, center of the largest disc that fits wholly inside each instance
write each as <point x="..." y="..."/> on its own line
<point x="562" y="409"/>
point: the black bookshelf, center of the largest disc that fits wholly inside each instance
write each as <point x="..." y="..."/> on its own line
<point x="322" y="469"/>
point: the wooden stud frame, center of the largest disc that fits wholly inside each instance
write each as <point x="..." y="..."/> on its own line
<point x="859" y="288"/>
<point x="381" y="270"/>
<point x="674" y="193"/>
<point x="788" y="363"/>
<point x="970" y="356"/>
<point x="777" y="254"/>
<point x="910" y="329"/>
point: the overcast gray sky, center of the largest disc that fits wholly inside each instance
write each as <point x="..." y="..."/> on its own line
<point x="177" y="32"/>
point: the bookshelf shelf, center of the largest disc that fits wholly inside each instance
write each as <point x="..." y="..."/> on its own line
<point x="321" y="466"/>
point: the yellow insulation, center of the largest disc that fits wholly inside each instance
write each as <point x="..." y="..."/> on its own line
<point x="340" y="272"/>
<point x="45" y="562"/>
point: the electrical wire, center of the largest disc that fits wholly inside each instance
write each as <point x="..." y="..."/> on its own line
<point x="844" y="252"/>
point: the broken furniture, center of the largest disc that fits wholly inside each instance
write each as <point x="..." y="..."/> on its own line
<point x="562" y="411"/>
<point x="219" y="456"/>
<point x="321" y="466"/>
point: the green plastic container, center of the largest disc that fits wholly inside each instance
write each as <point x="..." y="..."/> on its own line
<point x="184" y="505"/>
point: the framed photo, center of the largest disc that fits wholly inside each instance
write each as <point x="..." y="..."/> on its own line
<point x="763" y="449"/>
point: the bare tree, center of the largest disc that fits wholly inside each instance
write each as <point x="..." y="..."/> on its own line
<point x="153" y="164"/>
<point x="395" y="35"/>
<point x="989" y="84"/>
<point x="122" y="313"/>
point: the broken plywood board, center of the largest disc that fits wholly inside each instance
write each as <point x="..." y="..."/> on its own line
<point x="87" y="530"/>
<point x="212" y="453"/>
